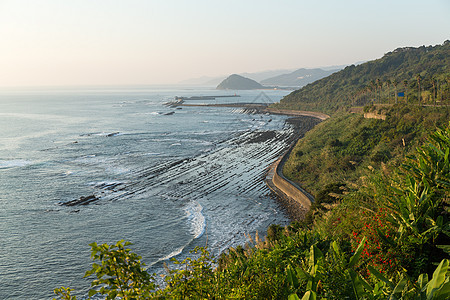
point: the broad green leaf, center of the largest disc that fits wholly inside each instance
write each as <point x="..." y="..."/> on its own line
<point x="422" y="281"/>
<point x="400" y="286"/>
<point x="303" y="274"/>
<point x="444" y="292"/>
<point x="358" y="287"/>
<point x="293" y="297"/>
<point x="438" y="277"/>
<point x="314" y="255"/>
<point x="291" y="277"/>
<point x="380" y="276"/>
<point x="309" y="295"/>
<point x="354" y="259"/>
<point x="336" y="248"/>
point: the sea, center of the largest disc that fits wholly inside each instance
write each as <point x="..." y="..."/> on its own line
<point x="102" y="164"/>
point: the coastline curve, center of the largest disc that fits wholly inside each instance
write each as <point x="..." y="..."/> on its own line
<point x="296" y="200"/>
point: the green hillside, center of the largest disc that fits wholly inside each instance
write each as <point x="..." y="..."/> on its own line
<point x="379" y="227"/>
<point x="422" y="72"/>
<point x="345" y="147"/>
<point x="389" y="240"/>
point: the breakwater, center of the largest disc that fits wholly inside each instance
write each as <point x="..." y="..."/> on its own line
<point x="264" y="108"/>
<point x="205" y="97"/>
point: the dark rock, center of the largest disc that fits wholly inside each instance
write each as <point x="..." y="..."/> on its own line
<point x="80" y="201"/>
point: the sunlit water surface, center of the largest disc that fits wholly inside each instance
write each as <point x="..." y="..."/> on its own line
<point x="166" y="182"/>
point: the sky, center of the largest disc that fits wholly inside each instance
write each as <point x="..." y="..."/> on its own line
<point x="137" y="42"/>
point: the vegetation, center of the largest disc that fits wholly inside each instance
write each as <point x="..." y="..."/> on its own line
<point x="341" y="149"/>
<point x="389" y="239"/>
<point x="379" y="228"/>
<point x="422" y="74"/>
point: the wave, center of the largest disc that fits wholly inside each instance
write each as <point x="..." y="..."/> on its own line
<point x="152" y="154"/>
<point x="197" y="224"/>
<point x="171" y="254"/>
<point x="196" y="218"/>
<point x="15" y="163"/>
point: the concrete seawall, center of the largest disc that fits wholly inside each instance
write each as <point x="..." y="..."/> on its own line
<point x="291" y="189"/>
<point x="318" y="115"/>
<point x="285" y="188"/>
<point x="297" y="200"/>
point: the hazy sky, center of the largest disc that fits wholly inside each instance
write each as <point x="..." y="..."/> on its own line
<point x="108" y="42"/>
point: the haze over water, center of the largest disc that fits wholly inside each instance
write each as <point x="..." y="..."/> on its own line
<point x="166" y="182"/>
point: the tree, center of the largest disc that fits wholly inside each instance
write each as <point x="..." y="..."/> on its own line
<point x="395" y="84"/>
<point x="419" y="92"/>
<point x="405" y="83"/>
<point x="433" y="83"/>
<point x="388" y="84"/>
<point x="119" y="274"/>
<point x="378" y="86"/>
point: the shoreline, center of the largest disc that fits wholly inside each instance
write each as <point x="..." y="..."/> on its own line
<point x="263" y="108"/>
<point x="295" y="200"/>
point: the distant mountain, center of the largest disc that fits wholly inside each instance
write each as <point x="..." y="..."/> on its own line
<point x="421" y="76"/>
<point x="298" y="78"/>
<point x="214" y="81"/>
<point x="238" y="82"/>
<point x="259" y="76"/>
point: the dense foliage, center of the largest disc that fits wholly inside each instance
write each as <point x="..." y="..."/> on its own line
<point x="422" y="74"/>
<point x="387" y="240"/>
<point x="379" y="228"/>
<point x="341" y="149"/>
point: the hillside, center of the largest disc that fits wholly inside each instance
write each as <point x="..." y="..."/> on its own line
<point x="237" y="82"/>
<point x="342" y="149"/>
<point x="298" y="78"/>
<point x="421" y="72"/>
<point x="379" y="227"/>
<point x="388" y="241"/>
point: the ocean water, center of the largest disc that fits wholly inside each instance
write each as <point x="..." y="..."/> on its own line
<point x="165" y="179"/>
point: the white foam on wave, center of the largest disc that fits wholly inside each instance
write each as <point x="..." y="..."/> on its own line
<point x="152" y="154"/>
<point x="196" y="218"/>
<point x="15" y="163"/>
<point x="197" y="224"/>
<point x="171" y="254"/>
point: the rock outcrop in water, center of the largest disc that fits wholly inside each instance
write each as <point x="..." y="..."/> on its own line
<point x="80" y="201"/>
